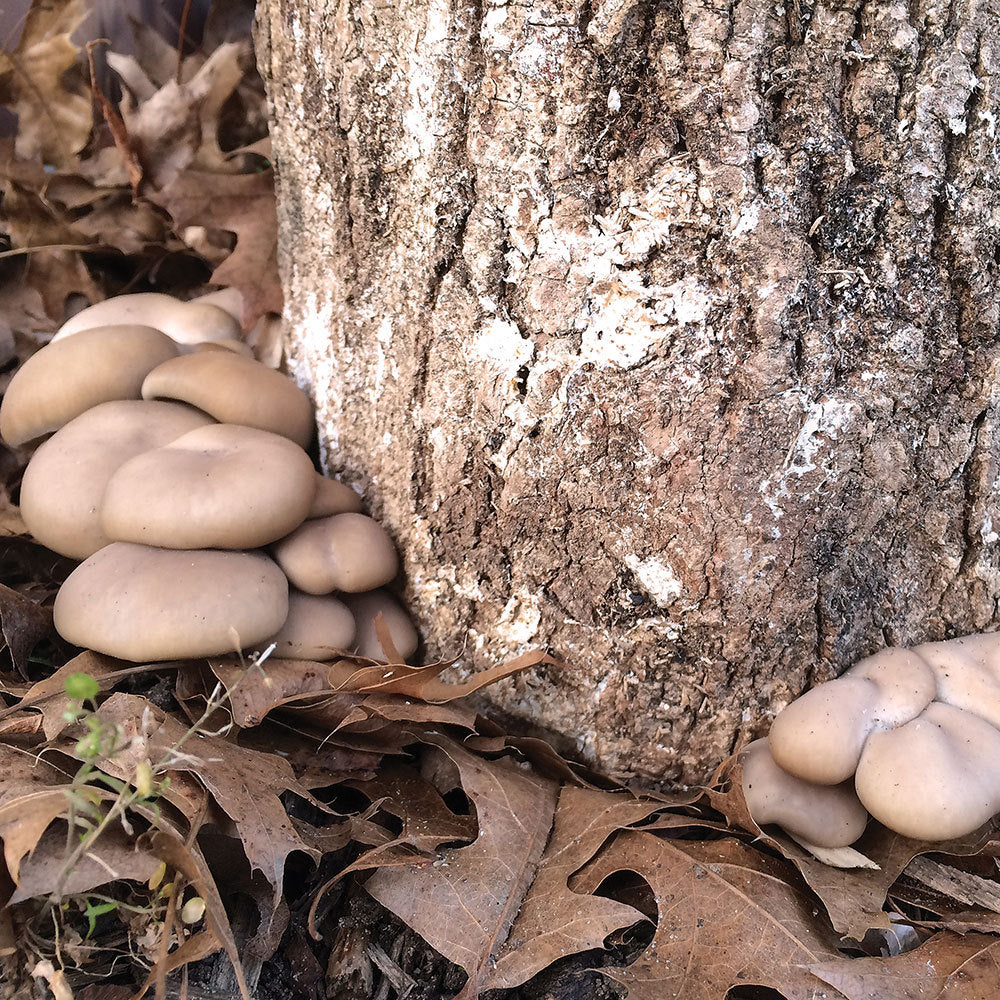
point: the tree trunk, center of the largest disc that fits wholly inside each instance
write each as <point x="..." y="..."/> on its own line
<point x="663" y="334"/>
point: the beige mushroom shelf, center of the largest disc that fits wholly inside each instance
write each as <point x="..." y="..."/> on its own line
<point x="174" y="460"/>
<point x="915" y="731"/>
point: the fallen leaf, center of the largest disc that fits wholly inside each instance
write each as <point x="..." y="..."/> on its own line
<point x="24" y="624"/>
<point x="728" y="915"/>
<point x="946" y="967"/>
<point x="114" y="856"/>
<point x="175" y="130"/>
<point x="464" y="904"/>
<point x="422" y="682"/>
<point x="53" y="121"/>
<point x="554" y="921"/>
<point x="32" y="797"/>
<point x="187" y="860"/>
<point x="242" y="204"/>
<point x="245" y="783"/>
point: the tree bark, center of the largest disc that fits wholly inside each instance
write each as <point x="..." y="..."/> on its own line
<point x="663" y="334"/>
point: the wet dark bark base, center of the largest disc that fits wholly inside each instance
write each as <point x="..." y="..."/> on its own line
<point x="663" y="334"/>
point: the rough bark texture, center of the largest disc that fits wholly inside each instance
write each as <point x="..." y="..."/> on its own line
<point x="664" y="334"/>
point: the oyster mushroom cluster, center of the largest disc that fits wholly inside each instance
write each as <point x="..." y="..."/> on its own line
<point x="176" y="472"/>
<point x="910" y="736"/>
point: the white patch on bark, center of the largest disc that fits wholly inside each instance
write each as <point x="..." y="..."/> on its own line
<point x="656" y="577"/>
<point x="521" y="616"/>
<point x="824" y="420"/>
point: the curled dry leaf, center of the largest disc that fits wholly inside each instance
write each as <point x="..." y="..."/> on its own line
<point x="115" y="856"/>
<point x="728" y="916"/>
<point x="32" y="797"/>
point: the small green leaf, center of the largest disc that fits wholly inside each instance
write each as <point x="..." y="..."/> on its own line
<point x="93" y="911"/>
<point x="81" y="687"/>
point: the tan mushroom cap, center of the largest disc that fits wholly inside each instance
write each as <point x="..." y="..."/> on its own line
<point x="934" y="778"/>
<point x="64" y="483"/>
<point x="346" y="552"/>
<point x="185" y="322"/>
<point x="819" y="737"/>
<point x="235" y="390"/>
<point x="224" y="486"/>
<point x="317" y="628"/>
<point x="967" y="672"/>
<point x="67" y="378"/>
<point x="822" y="815"/>
<point x="333" y="497"/>
<point x="147" y="604"/>
<point x="236" y="346"/>
<point x="365" y="607"/>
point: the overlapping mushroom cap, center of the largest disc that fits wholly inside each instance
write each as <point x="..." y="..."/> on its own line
<point x="63" y="486"/>
<point x="147" y="604"/>
<point x="347" y="552"/>
<point x="365" y="608"/>
<point x="317" y="628"/>
<point x="184" y="322"/>
<point x="223" y="486"/>
<point x="918" y="729"/>
<point x="823" y="815"/>
<point x="67" y="378"/>
<point x="235" y="390"/>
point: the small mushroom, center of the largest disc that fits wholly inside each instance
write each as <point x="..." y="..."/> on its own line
<point x="819" y="736"/>
<point x="333" y="497"/>
<point x="933" y="778"/>
<point x="365" y="607"/>
<point x="64" y="483"/>
<point x="65" y="379"/>
<point x="346" y="552"/>
<point x="146" y="604"/>
<point x="224" y="486"/>
<point x="185" y="322"/>
<point x="317" y="628"/>
<point x="235" y="390"/>
<point x="822" y="815"/>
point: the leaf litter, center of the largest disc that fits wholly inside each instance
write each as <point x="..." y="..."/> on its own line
<point x="230" y="808"/>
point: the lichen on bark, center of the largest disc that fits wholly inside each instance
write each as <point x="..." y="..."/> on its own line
<point x="663" y="334"/>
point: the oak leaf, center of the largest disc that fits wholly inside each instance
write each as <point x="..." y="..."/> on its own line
<point x="54" y="120"/>
<point x="465" y="904"/>
<point x="242" y="204"/>
<point x="728" y="915"/>
<point x="946" y="967"/>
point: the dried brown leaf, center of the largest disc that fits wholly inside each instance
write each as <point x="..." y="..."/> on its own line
<point x="728" y="915"/>
<point x="465" y="906"/>
<point x="176" y="128"/>
<point x="244" y="205"/>
<point x="554" y="921"/>
<point x="24" y="624"/>
<point x="49" y="694"/>
<point x="245" y="783"/>
<point x="187" y="860"/>
<point x="53" y="121"/>
<point x="114" y="856"/>
<point x="947" y="967"/>
<point x="32" y="797"/>
<point x="422" y="682"/>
